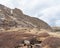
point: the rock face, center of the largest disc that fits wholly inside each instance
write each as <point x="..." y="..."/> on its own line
<point x="15" y="18"/>
<point x="51" y="42"/>
<point x="13" y="39"/>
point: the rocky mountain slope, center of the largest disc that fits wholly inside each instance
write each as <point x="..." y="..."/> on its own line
<point x="15" y="18"/>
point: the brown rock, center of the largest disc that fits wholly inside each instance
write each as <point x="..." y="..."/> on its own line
<point x="51" y="42"/>
<point x="13" y="39"/>
<point x="42" y="36"/>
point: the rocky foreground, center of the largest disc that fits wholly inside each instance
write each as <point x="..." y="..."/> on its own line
<point x="29" y="40"/>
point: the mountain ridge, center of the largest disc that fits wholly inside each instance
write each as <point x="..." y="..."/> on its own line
<point x="16" y="18"/>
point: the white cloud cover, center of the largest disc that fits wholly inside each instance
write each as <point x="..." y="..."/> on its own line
<point x="47" y="10"/>
<point x="51" y="15"/>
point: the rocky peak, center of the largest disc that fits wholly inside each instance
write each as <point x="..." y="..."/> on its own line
<point x="17" y="11"/>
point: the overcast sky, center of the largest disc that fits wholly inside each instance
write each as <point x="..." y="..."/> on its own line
<point x="47" y="10"/>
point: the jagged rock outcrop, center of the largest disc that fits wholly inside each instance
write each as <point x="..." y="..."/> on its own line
<point x="15" y="18"/>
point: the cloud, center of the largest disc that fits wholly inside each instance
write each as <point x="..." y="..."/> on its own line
<point x="50" y="15"/>
<point x="47" y="10"/>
